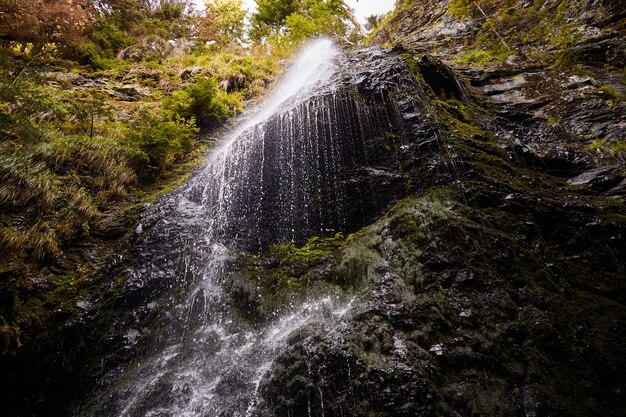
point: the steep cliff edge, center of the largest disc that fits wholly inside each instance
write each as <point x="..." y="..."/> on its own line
<point x="550" y="72"/>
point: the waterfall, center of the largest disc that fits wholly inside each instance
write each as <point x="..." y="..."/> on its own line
<point x="282" y="175"/>
<point x="295" y="166"/>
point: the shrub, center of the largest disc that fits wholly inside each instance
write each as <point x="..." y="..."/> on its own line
<point x="199" y="102"/>
<point x="88" y="53"/>
<point x="154" y="142"/>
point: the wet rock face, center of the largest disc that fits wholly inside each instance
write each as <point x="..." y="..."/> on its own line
<point x="462" y="320"/>
<point x="555" y="121"/>
<point x="441" y="80"/>
<point x="323" y="167"/>
<point x="338" y="382"/>
<point x="500" y="291"/>
<point x="330" y="163"/>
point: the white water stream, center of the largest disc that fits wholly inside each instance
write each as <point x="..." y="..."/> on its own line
<point x="210" y="362"/>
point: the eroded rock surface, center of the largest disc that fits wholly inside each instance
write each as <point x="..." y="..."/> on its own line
<point x="498" y="292"/>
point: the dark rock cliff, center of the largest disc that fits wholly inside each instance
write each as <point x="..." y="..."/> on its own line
<point x="498" y="289"/>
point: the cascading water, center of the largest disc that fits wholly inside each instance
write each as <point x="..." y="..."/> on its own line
<point x="286" y="172"/>
<point x="283" y="174"/>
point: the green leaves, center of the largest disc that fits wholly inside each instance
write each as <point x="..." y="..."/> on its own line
<point x="271" y="16"/>
<point x="197" y="102"/>
<point x="155" y="142"/>
<point x="224" y="21"/>
<point x="299" y="19"/>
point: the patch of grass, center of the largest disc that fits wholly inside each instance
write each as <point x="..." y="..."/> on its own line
<point x="12" y="240"/>
<point x="615" y="150"/>
<point x="483" y="56"/>
<point x="612" y="92"/>
<point x="596" y="144"/>
<point x="552" y="121"/>
<point x="618" y="146"/>
<point x="25" y="181"/>
<point x="44" y="241"/>
<point x="248" y="75"/>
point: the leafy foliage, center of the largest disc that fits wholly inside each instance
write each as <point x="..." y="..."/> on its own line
<point x="224" y="21"/>
<point x="298" y="20"/>
<point x="372" y="22"/>
<point x="271" y="16"/>
<point x="153" y="142"/>
<point x="197" y="103"/>
<point x="41" y="21"/>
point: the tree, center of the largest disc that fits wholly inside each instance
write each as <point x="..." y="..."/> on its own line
<point x="87" y="107"/>
<point x="170" y="19"/>
<point x="44" y="21"/>
<point x="120" y="24"/>
<point x="224" y="21"/>
<point x="118" y="19"/>
<point x="271" y="16"/>
<point x="372" y="22"/>
<point x="300" y="19"/>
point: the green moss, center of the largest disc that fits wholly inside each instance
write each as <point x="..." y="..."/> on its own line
<point x="612" y="92"/>
<point x="458" y="117"/>
<point x="483" y="57"/>
<point x="296" y="261"/>
<point x="553" y="120"/>
<point x="356" y="263"/>
<point x="411" y="62"/>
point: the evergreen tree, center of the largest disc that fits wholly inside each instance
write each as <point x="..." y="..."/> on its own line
<point x="300" y="19"/>
<point x="224" y="21"/>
